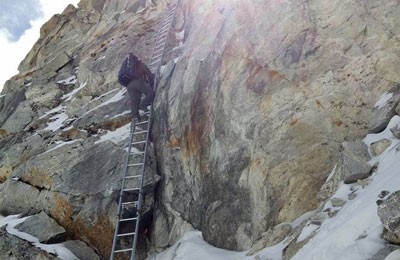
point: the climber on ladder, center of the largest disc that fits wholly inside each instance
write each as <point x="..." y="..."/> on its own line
<point x="138" y="80"/>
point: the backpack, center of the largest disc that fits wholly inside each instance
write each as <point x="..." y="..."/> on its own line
<point x="127" y="72"/>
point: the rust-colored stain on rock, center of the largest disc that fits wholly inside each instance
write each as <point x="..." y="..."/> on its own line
<point x="99" y="234"/>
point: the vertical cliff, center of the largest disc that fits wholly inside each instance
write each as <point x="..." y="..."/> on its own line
<point x="260" y="100"/>
<point x="254" y="101"/>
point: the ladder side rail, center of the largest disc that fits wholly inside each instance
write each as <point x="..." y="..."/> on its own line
<point x="122" y="190"/>
<point x="140" y="197"/>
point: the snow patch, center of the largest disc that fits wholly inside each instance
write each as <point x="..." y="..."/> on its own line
<point x="62" y="143"/>
<point x="180" y="35"/>
<point x="68" y="81"/>
<point x="70" y="95"/>
<point x="103" y="95"/>
<point x="121" y="114"/>
<point x="116" y="136"/>
<point x="117" y="97"/>
<point x="271" y="253"/>
<point x="395" y="255"/>
<point x="307" y="231"/>
<point x="297" y="222"/>
<point x="192" y="247"/>
<point x="383" y="100"/>
<point x="3" y="95"/>
<point x="54" y="110"/>
<point x="57" y="122"/>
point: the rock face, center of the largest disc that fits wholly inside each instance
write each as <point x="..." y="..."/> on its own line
<point x="388" y="212"/>
<point x="254" y="100"/>
<point x="13" y="248"/>
<point x="380" y="146"/>
<point x="385" y="109"/>
<point x="81" y="250"/>
<point x="44" y="228"/>
<point x="353" y="164"/>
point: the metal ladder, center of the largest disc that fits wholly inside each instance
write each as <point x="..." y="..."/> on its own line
<point x="131" y="194"/>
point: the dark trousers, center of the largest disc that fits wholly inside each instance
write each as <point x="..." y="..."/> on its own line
<point x="135" y="90"/>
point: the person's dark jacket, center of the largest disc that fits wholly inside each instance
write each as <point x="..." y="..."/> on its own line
<point x="143" y="73"/>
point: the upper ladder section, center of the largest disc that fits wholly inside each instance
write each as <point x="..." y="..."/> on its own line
<point x="161" y="40"/>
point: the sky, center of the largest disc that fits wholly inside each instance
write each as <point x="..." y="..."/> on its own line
<point x="20" y="22"/>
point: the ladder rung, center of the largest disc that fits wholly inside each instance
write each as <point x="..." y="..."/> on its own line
<point x="159" y="50"/>
<point x="127" y="219"/>
<point x="133" y="176"/>
<point x="123" y="250"/>
<point x="126" y="234"/>
<point x="156" y="61"/>
<point x="165" y="24"/>
<point x="158" y="53"/>
<point x="137" y="153"/>
<point x="141" y="123"/>
<point x="163" y="36"/>
<point x="157" y="56"/>
<point x="132" y="189"/>
<point x="160" y="44"/>
<point x="140" y="132"/>
<point x="165" y="31"/>
<point x="139" y="142"/>
<point x="167" y="21"/>
<point x="161" y="40"/>
<point x="135" y="164"/>
<point x="129" y="203"/>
